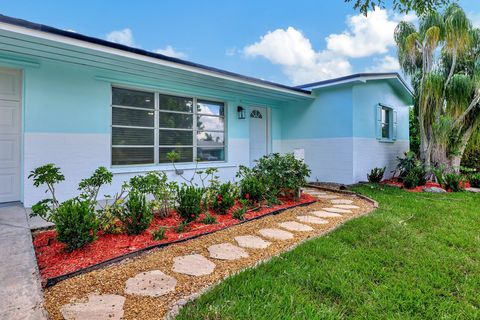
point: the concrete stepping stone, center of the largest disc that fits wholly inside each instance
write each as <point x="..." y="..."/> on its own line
<point x="327" y="196"/>
<point x="97" y="307"/>
<point x="311" y="219"/>
<point x="276" y="234"/>
<point x="316" y="193"/>
<point x="337" y="210"/>
<point x="325" y="214"/>
<point x="252" y="242"/>
<point x="346" y="206"/>
<point x="227" y="251"/>
<point x="193" y="265"/>
<point x="295" y="226"/>
<point x="341" y="201"/>
<point x="152" y="283"/>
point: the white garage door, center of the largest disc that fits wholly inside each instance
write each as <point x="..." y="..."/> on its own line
<point x="10" y="134"/>
<point x="258" y="133"/>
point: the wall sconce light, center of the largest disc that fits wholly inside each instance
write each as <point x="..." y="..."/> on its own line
<point x="241" y="112"/>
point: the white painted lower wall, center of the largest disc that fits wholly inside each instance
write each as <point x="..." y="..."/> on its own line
<point x="330" y="159"/>
<point x="78" y="155"/>
<point x="371" y="153"/>
<point x="346" y="160"/>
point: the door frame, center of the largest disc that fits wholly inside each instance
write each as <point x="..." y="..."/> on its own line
<point x="21" y="102"/>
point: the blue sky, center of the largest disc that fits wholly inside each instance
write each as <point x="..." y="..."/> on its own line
<point x="290" y="42"/>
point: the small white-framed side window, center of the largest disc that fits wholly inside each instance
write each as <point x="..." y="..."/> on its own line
<point x="386" y="123"/>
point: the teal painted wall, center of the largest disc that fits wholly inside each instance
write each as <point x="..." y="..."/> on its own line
<point x="61" y="98"/>
<point x="328" y="116"/>
<point x="366" y="97"/>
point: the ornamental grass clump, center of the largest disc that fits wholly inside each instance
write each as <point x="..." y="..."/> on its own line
<point x="189" y="202"/>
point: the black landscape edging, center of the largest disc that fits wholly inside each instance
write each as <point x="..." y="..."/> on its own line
<point x="52" y="281"/>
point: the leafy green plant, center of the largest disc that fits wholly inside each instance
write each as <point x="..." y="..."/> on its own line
<point x="411" y="181"/>
<point x="453" y="182"/>
<point x="75" y="223"/>
<point x="376" y="175"/>
<point x="90" y="187"/>
<point x="239" y="212"/>
<point x="181" y="227"/>
<point x="283" y="174"/>
<point x="159" y="234"/>
<point x="49" y="175"/>
<point x="136" y="214"/>
<point x="407" y="164"/>
<point x="439" y="174"/>
<point x="209" y="219"/>
<point x="251" y="187"/>
<point x="475" y="180"/>
<point x="156" y="183"/>
<point x="224" y="198"/>
<point x="189" y="202"/>
<point x="108" y="217"/>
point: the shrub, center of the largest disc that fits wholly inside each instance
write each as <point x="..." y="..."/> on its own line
<point x="75" y="223"/>
<point x="376" y="175"/>
<point x="282" y="174"/>
<point x="251" y="188"/>
<point x="136" y="215"/>
<point x="209" y="219"/>
<point x="225" y="198"/>
<point x="90" y="187"/>
<point x="453" y="182"/>
<point x="411" y="181"/>
<point x="439" y="174"/>
<point x="189" y="202"/>
<point x="108" y="218"/>
<point x="181" y="227"/>
<point x="407" y="164"/>
<point x="239" y="213"/>
<point x="475" y="180"/>
<point x="159" y="234"/>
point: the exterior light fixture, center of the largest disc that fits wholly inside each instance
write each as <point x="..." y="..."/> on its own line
<point x="241" y="112"/>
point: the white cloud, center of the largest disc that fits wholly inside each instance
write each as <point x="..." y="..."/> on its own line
<point x="124" y="37"/>
<point x="387" y="63"/>
<point x="365" y="35"/>
<point x="171" y="52"/>
<point x="294" y="52"/>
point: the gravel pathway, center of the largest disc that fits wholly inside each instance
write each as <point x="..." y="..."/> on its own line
<point x="163" y="279"/>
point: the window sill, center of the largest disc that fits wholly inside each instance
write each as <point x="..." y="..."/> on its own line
<point x="168" y="167"/>
<point x="387" y="140"/>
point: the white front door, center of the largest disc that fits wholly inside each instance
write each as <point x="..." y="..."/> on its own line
<point x="10" y="134"/>
<point x="258" y="133"/>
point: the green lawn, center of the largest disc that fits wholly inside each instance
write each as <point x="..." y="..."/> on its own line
<point x="416" y="257"/>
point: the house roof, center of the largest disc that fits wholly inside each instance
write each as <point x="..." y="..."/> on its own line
<point x="96" y="41"/>
<point x="358" y="77"/>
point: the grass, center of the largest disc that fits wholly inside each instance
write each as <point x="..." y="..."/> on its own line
<point x="416" y="257"/>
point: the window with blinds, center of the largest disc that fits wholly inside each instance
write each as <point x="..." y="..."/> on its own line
<point x="146" y="126"/>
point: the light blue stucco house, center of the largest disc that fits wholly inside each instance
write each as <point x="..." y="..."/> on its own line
<point x="82" y="102"/>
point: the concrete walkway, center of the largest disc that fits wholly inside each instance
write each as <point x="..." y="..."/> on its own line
<point x="21" y="293"/>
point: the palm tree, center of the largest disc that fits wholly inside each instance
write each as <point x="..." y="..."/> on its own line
<point x="443" y="58"/>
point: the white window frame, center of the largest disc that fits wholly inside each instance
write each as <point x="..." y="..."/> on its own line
<point x="392" y="117"/>
<point x="157" y="127"/>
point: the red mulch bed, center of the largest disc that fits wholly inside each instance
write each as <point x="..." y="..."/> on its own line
<point x="429" y="184"/>
<point x="53" y="261"/>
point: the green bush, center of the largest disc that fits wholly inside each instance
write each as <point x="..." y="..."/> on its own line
<point x="453" y="182"/>
<point x="376" y="175"/>
<point x="251" y="187"/>
<point x="407" y="164"/>
<point x="136" y="215"/>
<point x="282" y="174"/>
<point x="189" y="202"/>
<point x="159" y="234"/>
<point x="225" y="198"/>
<point x="411" y="181"/>
<point x="209" y="219"/>
<point x="475" y="180"/>
<point x="75" y="223"/>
